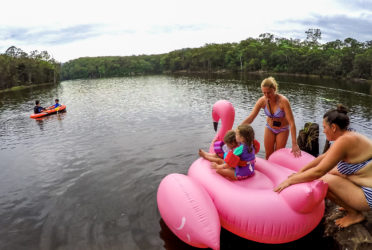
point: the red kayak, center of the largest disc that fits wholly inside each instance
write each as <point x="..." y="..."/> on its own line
<point x="59" y="109"/>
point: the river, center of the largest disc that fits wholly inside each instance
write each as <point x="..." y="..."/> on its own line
<point x="87" y="178"/>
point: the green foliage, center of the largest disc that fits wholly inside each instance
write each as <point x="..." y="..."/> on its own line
<point x="18" y="68"/>
<point x="114" y="66"/>
<point x="268" y="53"/>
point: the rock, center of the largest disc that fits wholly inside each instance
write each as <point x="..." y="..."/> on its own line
<point x="354" y="237"/>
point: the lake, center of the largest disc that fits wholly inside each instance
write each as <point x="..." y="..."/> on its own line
<point x="87" y="178"/>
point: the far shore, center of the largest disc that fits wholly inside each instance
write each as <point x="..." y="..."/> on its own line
<point x="219" y="72"/>
<point x="20" y="87"/>
<point x="267" y="73"/>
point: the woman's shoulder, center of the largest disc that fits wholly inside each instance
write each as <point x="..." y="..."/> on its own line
<point x="282" y="98"/>
<point x="349" y="140"/>
<point x="356" y="144"/>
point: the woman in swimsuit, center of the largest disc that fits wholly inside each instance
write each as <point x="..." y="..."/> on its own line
<point x="346" y="167"/>
<point x="279" y="118"/>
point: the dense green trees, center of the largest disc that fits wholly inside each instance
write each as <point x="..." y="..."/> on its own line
<point x="111" y="66"/>
<point x="348" y="58"/>
<point x="20" y="68"/>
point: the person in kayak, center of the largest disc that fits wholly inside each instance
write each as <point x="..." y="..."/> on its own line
<point x="55" y="105"/>
<point x="38" y="109"/>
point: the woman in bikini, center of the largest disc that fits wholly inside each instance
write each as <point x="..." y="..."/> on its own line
<point x="346" y="167"/>
<point x="279" y="118"/>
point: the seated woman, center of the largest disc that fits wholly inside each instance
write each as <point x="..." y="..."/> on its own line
<point x="346" y="167"/>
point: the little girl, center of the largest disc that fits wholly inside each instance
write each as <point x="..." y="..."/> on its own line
<point x="230" y="142"/>
<point x="233" y="167"/>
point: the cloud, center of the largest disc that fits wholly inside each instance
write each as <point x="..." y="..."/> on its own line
<point x="159" y="29"/>
<point x="361" y="5"/>
<point x="50" y="36"/>
<point x="332" y="27"/>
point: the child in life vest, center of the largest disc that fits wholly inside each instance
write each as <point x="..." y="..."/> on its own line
<point x="230" y="144"/>
<point x="239" y="163"/>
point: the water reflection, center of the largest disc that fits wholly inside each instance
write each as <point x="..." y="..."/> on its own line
<point x="234" y="242"/>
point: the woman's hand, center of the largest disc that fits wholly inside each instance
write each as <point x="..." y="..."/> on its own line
<point x="296" y="150"/>
<point x="283" y="185"/>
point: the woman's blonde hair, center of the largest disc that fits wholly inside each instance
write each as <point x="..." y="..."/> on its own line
<point x="270" y="82"/>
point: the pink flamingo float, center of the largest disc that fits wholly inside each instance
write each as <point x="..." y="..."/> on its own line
<point x="196" y="205"/>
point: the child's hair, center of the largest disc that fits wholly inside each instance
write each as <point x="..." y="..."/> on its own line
<point x="229" y="137"/>
<point x="338" y="116"/>
<point x="56" y="100"/>
<point x="37" y="102"/>
<point x="270" y="82"/>
<point x="247" y="132"/>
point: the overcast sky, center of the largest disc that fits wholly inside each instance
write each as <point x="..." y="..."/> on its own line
<point x="70" y="29"/>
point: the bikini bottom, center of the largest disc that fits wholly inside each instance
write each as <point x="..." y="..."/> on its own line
<point x="368" y="194"/>
<point x="277" y="130"/>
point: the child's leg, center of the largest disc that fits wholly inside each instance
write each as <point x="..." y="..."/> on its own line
<point x="227" y="172"/>
<point x="210" y="157"/>
<point x="219" y="166"/>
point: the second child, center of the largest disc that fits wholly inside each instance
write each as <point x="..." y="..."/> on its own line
<point x="230" y="142"/>
<point x="239" y="164"/>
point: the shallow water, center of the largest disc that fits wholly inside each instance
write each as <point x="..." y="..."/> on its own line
<point x="87" y="178"/>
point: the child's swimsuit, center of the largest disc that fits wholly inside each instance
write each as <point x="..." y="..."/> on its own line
<point x="351" y="168"/>
<point x="278" y="114"/>
<point x="245" y="167"/>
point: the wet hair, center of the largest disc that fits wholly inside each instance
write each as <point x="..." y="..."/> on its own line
<point x="246" y="131"/>
<point x="56" y="100"/>
<point x="338" y="116"/>
<point x="270" y="82"/>
<point x="229" y="137"/>
<point x="37" y="102"/>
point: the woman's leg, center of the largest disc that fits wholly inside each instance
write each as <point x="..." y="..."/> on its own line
<point x="348" y="195"/>
<point x="269" y="142"/>
<point x="281" y="139"/>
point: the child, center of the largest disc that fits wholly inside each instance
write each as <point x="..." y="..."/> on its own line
<point x="234" y="167"/>
<point x="229" y="140"/>
<point x="55" y="105"/>
<point x="38" y="109"/>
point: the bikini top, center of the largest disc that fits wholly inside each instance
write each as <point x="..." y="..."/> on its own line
<point x="278" y="114"/>
<point x="350" y="168"/>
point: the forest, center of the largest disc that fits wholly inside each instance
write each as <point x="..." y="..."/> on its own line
<point x="18" y="68"/>
<point x="349" y="58"/>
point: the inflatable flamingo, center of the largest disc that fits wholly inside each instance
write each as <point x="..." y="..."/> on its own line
<point x="249" y="208"/>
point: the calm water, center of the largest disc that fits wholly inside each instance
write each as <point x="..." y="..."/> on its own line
<point x="87" y="178"/>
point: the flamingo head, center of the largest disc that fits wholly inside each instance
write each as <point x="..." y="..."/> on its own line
<point x="223" y="110"/>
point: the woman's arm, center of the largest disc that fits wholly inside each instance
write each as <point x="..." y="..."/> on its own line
<point x="289" y="116"/>
<point x="313" y="163"/>
<point x="336" y="153"/>
<point x="254" y="111"/>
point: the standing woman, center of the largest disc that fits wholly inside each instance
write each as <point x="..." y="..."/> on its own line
<point x="279" y="118"/>
<point x="346" y="167"/>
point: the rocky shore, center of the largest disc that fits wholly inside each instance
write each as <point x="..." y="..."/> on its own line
<point x="355" y="237"/>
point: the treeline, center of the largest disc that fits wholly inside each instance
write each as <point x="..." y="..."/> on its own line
<point x="19" y="68"/>
<point x="348" y="58"/>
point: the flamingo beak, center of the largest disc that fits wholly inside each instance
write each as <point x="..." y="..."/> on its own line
<point x="215" y="125"/>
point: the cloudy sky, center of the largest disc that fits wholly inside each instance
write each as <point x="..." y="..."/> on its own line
<point x="70" y="29"/>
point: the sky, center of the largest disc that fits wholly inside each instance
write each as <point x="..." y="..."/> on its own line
<point x="70" y="29"/>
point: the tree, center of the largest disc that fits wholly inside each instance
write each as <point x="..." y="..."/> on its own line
<point x="313" y="35"/>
